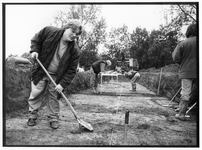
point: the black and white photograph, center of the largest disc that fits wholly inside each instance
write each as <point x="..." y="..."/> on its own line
<point x="100" y="74"/>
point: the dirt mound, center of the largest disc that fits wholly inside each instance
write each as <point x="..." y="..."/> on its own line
<point x="16" y="88"/>
<point x="169" y="83"/>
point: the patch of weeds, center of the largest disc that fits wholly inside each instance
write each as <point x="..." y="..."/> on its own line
<point x="99" y="141"/>
<point x="156" y="128"/>
<point x="188" y="140"/>
<point x="143" y="126"/>
<point x="144" y="143"/>
<point x="95" y="108"/>
<point x="164" y="113"/>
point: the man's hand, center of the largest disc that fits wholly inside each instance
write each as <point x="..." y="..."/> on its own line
<point x="59" y="88"/>
<point x="34" y="55"/>
<point x="95" y="91"/>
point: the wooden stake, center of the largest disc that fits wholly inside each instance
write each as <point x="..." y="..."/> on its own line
<point x="126" y="125"/>
<point x="159" y="82"/>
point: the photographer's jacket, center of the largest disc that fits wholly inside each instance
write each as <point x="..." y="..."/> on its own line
<point x="185" y="55"/>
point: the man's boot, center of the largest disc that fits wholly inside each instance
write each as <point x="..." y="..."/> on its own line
<point x="182" y="110"/>
<point x="32" y="118"/>
<point x="133" y="87"/>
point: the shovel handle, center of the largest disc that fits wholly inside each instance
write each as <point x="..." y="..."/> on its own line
<point x="63" y="95"/>
<point x="174" y="96"/>
<point x="191" y="108"/>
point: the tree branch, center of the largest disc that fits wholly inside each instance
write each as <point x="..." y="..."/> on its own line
<point x="186" y="13"/>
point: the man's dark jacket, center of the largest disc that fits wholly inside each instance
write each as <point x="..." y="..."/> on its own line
<point x="45" y="43"/>
<point x="96" y="66"/>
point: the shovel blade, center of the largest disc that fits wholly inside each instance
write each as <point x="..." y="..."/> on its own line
<point x="167" y="105"/>
<point x="187" y="116"/>
<point x="85" y="124"/>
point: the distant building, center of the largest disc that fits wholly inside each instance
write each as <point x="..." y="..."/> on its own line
<point x="129" y="62"/>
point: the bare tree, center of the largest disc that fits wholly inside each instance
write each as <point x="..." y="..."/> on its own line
<point x="89" y="15"/>
<point x="181" y="16"/>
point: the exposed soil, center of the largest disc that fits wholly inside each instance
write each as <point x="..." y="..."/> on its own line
<point x="150" y="123"/>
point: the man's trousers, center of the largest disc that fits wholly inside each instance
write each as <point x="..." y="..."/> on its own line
<point x="44" y="92"/>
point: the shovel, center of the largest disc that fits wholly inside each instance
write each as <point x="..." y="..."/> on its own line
<point x="189" y="110"/>
<point x="80" y="121"/>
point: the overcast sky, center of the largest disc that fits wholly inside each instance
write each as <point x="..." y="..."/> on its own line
<point x="23" y="21"/>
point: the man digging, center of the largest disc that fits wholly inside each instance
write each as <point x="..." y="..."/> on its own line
<point x="58" y="51"/>
<point x="97" y="68"/>
<point x="134" y="76"/>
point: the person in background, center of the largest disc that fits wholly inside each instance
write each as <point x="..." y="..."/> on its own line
<point x="122" y="59"/>
<point x="134" y="76"/>
<point x="80" y="69"/>
<point x="185" y="55"/>
<point x="97" y="68"/>
<point x="58" y="51"/>
<point x="118" y="69"/>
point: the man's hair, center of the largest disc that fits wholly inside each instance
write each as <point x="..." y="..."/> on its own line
<point x="109" y="63"/>
<point x="191" y="31"/>
<point x="74" y="24"/>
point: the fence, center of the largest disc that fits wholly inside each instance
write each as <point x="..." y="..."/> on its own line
<point x="164" y="81"/>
